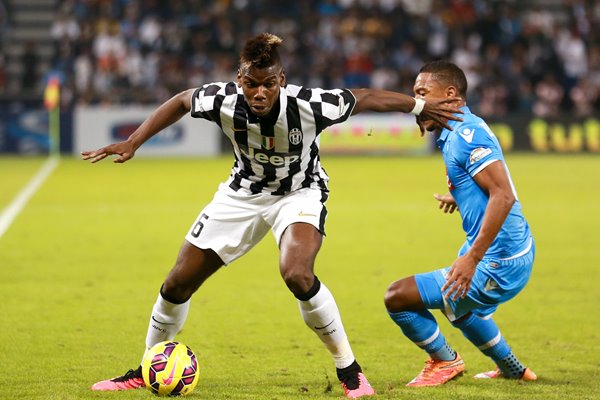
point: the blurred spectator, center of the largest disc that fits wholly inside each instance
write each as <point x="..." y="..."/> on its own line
<point x="384" y="77"/>
<point x="83" y="70"/>
<point x="525" y="97"/>
<point x="466" y="55"/>
<point x="109" y="48"/>
<point x="548" y="97"/>
<point x="493" y="100"/>
<point x="65" y="26"/>
<point x="358" y="69"/>
<point x="438" y="42"/>
<point x="150" y="33"/>
<point x="573" y="53"/>
<point x="594" y="65"/>
<point x="584" y="96"/>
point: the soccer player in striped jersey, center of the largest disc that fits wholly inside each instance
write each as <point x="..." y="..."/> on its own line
<point x="495" y="262"/>
<point x="277" y="183"/>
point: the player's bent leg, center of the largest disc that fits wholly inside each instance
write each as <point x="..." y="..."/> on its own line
<point x="403" y="295"/>
<point x="192" y="268"/>
<point x="170" y="310"/>
<point x="405" y="305"/>
<point x="299" y="246"/>
<point x="485" y="334"/>
<point x="444" y="363"/>
<point x="321" y="315"/>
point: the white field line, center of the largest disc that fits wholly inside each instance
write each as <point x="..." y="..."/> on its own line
<point x="8" y="215"/>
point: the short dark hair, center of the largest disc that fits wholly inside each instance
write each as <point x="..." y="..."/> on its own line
<point x="261" y="52"/>
<point x="447" y="73"/>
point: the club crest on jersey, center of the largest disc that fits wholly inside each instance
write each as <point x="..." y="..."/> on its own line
<point x="478" y="154"/>
<point x="268" y="142"/>
<point x="295" y="136"/>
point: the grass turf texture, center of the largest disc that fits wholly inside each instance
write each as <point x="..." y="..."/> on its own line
<point x="81" y="266"/>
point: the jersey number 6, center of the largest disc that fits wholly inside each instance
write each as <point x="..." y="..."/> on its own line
<point x="197" y="229"/>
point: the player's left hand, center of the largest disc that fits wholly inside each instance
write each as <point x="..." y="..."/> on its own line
<point x="458" y="281"/>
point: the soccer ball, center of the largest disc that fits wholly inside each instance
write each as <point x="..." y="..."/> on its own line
<point x="170" y="369"/>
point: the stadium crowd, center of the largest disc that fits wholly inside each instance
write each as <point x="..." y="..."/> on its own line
<point x="518" y="56"/>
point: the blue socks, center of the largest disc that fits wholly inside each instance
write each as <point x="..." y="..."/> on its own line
<point x="484" y="334"/>
<point x="422" y="328"/>
<point x="511" y="366"/>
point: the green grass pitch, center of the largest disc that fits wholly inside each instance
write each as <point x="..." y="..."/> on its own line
<point x="81" y="266"/>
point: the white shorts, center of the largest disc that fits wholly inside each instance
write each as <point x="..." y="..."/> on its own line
<point x="234" y="222"/>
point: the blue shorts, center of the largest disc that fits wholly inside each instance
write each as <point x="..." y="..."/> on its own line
<point x="495" y="282"/>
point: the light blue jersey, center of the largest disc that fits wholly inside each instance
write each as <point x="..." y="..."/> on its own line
<point x="506" y="266"/>
<point x="467" y="149"/>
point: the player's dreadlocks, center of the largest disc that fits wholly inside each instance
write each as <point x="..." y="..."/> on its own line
<point x="260" y="52"/>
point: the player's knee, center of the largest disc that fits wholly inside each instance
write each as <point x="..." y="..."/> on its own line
<point x="395" y="296"/>
<point x="299" y="281"/>
<point x="175" y="292"/>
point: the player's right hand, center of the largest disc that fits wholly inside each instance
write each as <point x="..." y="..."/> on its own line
<point x="447" y="202"/>
<point x="123" y="150"/>
<point x="459" y="278"/>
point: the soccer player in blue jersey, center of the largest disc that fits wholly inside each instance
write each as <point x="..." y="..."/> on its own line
<point x="495" y="262"/>
<point x="276" y="184"/>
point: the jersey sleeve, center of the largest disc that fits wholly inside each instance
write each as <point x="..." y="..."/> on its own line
<point x="476" y="147"/>
<point x="207" y="99"/>
<point x="333" y="106"/>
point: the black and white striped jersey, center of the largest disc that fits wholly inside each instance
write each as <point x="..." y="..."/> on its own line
<point x="274" y="156"/>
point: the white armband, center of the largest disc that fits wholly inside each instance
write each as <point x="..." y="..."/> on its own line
<point x="419" y="104"/>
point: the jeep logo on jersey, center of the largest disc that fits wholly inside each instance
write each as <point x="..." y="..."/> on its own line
<point x="275" y="159"/>
<point x="295" y="136"/>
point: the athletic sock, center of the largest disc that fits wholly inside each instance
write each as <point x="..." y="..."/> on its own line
<point x="511" y="367"/>
<point x="422" y="328"/>
<point x="349" y="375"/>
<point x="485" y="334"/>
<point x="321" y="315"/>
<point x="166" y="321"/>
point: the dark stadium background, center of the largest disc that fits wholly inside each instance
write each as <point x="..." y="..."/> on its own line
<point x="533" y="66"/>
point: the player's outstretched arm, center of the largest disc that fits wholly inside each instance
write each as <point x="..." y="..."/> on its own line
<point x="377" y="100"/>
<point x="165" y="115"/>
